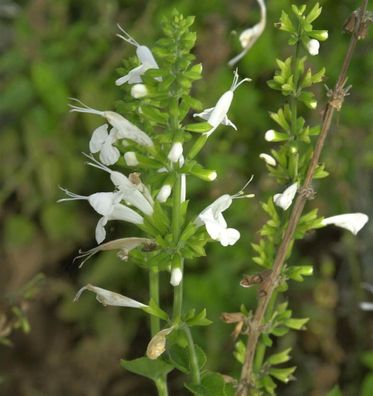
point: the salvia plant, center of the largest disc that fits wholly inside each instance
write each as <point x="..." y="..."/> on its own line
<point x="149" y="149"/>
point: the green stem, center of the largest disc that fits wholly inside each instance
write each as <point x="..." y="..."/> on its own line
<point x="194" y="366"/>
<point x="176" y="227"/>
<point x="161" y="387"/>
<point x="154" y="295"/>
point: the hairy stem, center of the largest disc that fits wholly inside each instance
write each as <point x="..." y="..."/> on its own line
<point x="257" y="321"/>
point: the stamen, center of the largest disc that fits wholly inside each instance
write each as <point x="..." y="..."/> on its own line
<point x="240" y="193"/>
<point x="88" y="254"/>
<point x="97" y="164"/>
<point x="129" y="39"/>
<point x="85" y="108"/>
<point x="236" y="83"/>
<point x="73" y="197"/>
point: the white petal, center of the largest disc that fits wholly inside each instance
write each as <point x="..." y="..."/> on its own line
<point x="353" y="222"/>
<point x="229" y="237"/>
<point x="132" y="77"/>
<point x="107" y="297"/>
<point x="146" y="57"/>
<point x="102" y="202"/>
<point x="176" y="277"/>
<point x="183" y="188"/>
<point x="205" y="114"/>
<point x="221" y="109"/>
<point x="127" y="130"/>
<point x="100" y="230"/>
<point x="122" y="212"/>
<point x="228" y="122"/>
<point x="109" y="154"/>
<point x="99" y="137"/>
<point x="313" y="47"/>
<point x="214" y="229"/>
<point x="285" y="199"/>
<point x="269" y="160"/>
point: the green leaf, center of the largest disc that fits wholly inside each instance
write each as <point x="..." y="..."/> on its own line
<point x="282" y="374"/>
<point x="367" y="385"/>
<point x="314" y="13"/>
<point x="280" y="357"/>
<point x="199" y="320"/>
<point x="335" y="392"/>
<point x="153" y="369"/>
<point x="153" y="309"/>
<point x="179" y="357"/>
<point x="212" y="384"/>
<point x="296" y="324"/>
<point x="297" y="273"/>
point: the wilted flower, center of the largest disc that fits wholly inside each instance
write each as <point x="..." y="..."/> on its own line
<point x="285" y="199"/>
<point x="125" y="129"/>
<point x="215" y="224"/>
<point x="353" y="222"/>
<point x="107" y="297"/>
<point x="268" y="159"/>
<point x="249" y="36"/>
<point x="146" y="59"/>
<point x="218" y="115"/>
<point x="123" y="245"/>
<point x="157" y="344"/>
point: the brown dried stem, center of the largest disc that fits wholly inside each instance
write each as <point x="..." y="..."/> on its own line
<point x="335" y="103"/>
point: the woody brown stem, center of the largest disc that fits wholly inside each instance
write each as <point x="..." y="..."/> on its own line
<point x="271" y="284"/>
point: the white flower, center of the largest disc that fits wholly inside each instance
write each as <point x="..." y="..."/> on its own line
<point x="124" y="128"/>
<point x="353" y="222"/>
<point x="146" y="59"/>
<point x="123" y="245"/>
<point x="313" y="47"/>
<point x="107" y="297"/>
<point x="249" y="36"/>
<point x="183" y="188"/>
<point x="215" y="224"/>
<point x="164" y="193"/>
<point x="285" y="199"/>
<point x="108" y="205"/>
<point x="128" y="190"/>
<point x="102" y="142"/>
<point x="176" y="277"/>
<point x="176" y="152"/>
<point x="366" y="306"/>
<point x="139" y="91"/>
<point x="218" y="115"/>
<point x="269" y="160"/>
<point x="131" y="158"/>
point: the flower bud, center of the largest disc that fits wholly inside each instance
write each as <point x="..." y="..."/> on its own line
<point x="204" y="174"/>
<point x="313" y="47"/>
<point x="130" y="158"/>
<point x="273" y="136"/>
<point x="176" y="152"/>
<point x="176" y="277"/>
<point x="164" y="193"/>
<point x="139" y="91"/>
<point x="268" y="159"/>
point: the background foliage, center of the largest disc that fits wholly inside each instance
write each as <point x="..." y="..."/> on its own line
<point x="55" y="50"/>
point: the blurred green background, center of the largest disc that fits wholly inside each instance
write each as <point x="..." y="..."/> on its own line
<point x="52" y="50"/>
